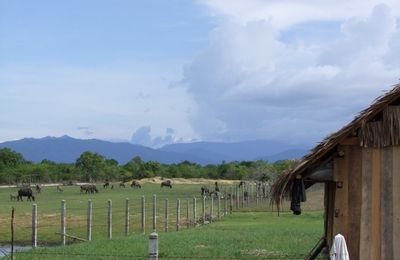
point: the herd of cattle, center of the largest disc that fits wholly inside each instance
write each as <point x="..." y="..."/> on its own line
<point x="27" y="191"/>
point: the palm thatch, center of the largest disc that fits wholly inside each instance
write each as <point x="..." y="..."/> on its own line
<point x="376" y="126"/>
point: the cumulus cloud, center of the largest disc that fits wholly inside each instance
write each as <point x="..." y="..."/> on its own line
<point x="249" y="83"/>
<point x="144" y="137"/>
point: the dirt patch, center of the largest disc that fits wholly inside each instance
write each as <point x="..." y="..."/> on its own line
<point x="158" y="180"/>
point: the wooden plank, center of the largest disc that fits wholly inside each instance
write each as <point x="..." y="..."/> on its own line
<point x="351" y="141"/>
<point x="386" y="203"/>
<point x="340" y="224"/>
<point x="396" y="202"/>
<point x="330" y="189"/>
<point x="354" y="200"/>
<point x="366" y="212"/>
<point x="375" y="205"/>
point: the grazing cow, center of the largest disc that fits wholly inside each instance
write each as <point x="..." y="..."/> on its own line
<point x="13" y="197"/>
<point x="216" y="187"/>
<point x="136" y="184"/>
<point x="112" y="186"/>
<point x="89" y="188"/>
<point x="204" y="191"/>
<point x="122" y="185"/>
<point x="241" y="184"/>
<point x="38" y="188"/>
<point x="167" y="183"/>
<point x="214" y="194"/>
<point x="246" y="195"/>
<point x="106" y="184"/>
<point x="59" y="188"/>
<point x="25" y="192"/>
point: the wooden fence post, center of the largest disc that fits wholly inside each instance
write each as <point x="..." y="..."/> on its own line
<point x="154" y="212"/>
<point x="12" y="232"/>
<point x="34" y="226"/>
<point x="194" y="211"/>
<point x="63" y="222"/>
<point x="109" y="220"/>
<point x="178" y="213"/>
<point x="89" y="220"/>
<point x="187" y="214"/>
<point x="242" y="201"/>
<point x="126" y="217"/>
<point x="166" y="215"/>
<point x="237" y="197"/>
<point x="203" y="209"/>
<point x="231" y="203"/>
<point x="143" y="215"/>
<point x="219" y="207"/>
<point x="211" y="208"/>
<point x="225" y="205"/>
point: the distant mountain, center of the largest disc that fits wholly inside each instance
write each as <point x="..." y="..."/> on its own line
<point x="68" y="149"/>
<point x="247" y="150"/>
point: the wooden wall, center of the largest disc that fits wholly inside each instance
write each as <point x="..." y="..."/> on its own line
<point x="367" y="207"/>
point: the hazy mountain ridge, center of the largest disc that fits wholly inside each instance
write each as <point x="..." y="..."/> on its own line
<point x="68" y="149"/>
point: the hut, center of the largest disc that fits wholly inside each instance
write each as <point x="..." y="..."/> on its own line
<point x="360" y="168"/>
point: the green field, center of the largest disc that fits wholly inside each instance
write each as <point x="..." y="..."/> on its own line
<point x="49" y="202"/>
<point x="242" y="235"/>
<point x="250" y="232"/>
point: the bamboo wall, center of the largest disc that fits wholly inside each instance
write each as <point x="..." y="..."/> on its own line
<point x="367" y="206"/>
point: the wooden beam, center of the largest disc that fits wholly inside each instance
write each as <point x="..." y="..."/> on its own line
<point x="376" y="205"/>
<point x="396" y="200"/>
<point x="366" y="212"/>
<point x="350" y="141"/>
<point x="386" y="203"/>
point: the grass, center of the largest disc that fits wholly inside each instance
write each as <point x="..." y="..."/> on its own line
<point x="242" y="235"/>
<point x="49" y="203"/>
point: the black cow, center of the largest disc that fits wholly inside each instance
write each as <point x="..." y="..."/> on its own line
<point x="89" y="188"/>
<point x="204" y="191"/>
<point x="106" y="184"/>
<point x="136" y="184"/>
<point x="167" y="183"/>
<point x="25" y="192"/>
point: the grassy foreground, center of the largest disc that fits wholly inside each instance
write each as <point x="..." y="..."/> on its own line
<point x="243" y="235"/>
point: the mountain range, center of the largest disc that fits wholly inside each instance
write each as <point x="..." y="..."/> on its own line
<point x="67" y="149"/>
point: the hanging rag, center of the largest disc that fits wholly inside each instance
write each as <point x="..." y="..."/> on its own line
<point x="339" y="249"/>
<point x="298" y="194"/>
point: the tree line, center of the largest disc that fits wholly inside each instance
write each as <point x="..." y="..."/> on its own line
<point x="90" y="167"/>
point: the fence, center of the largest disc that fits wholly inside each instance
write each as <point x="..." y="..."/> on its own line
<point x="93" y="220"/>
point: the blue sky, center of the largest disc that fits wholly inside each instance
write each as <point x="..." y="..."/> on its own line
<point x="156" y="72"/>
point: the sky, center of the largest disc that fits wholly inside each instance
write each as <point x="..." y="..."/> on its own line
<point x="155" y="72"/>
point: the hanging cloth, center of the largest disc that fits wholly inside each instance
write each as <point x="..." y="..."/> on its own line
<point x="339" y="249"/>
<point x="298" y="194"/>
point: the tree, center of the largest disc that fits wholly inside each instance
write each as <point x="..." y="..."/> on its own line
<point x="90" y="164"/>
<point x="9" y="158"/>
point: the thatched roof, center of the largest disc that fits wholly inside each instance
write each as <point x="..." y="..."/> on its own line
<point x="376" y="126"/>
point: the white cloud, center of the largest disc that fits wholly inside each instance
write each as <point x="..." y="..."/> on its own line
<point x="284" y="13"/>
<point x="251" y="84"/>
<point x="37" y="100"/>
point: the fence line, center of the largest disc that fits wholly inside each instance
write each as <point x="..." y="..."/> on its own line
<point x="132" y="216"/>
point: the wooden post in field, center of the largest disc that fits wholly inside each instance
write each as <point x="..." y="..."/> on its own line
<point x="34" y="226"/>
<point x="225" y="205"/>
<point x="154" y="213"/>
<point x="242" y="201"/>
<point x="143" y="215"/>
<point x="257" y="192"/>
<point x="187" y="214"/>
<point x="63" y="222"/>
<point x="126" y="217"/>
<point x="203" y="209"/>
<point x="109" y="219"/>
<point x="211" y="208"/>
<point x="231" y="203"/>
<point x="89" y="220"/>
<point x="178" y="213"/>
<point x="219" y="207"/>
<point x="12" y="233"/>
<point x="166" y="215"/>
<point x="194" y="211"/>
<point x="237" y="197"/>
